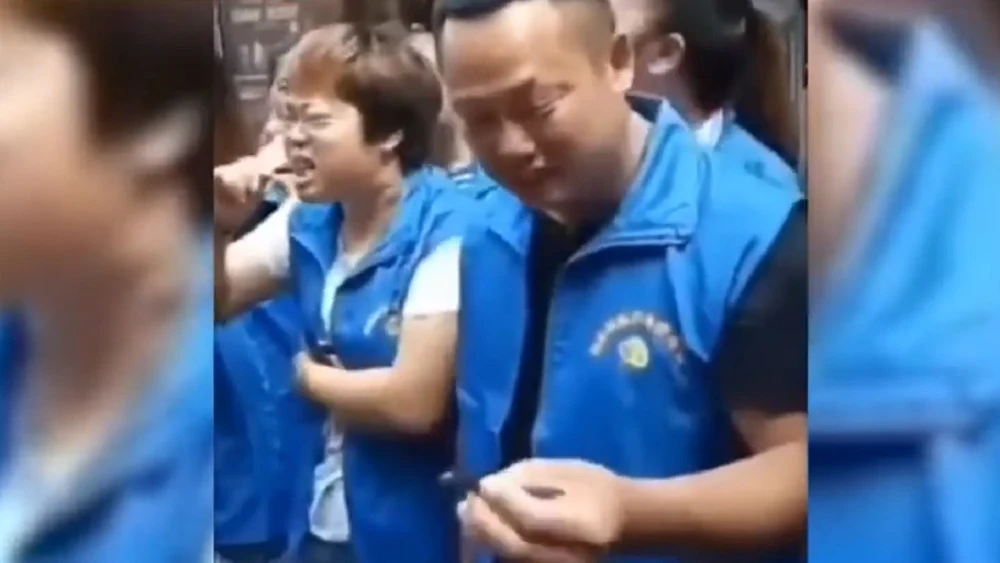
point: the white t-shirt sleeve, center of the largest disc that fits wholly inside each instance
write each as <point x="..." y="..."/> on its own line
<point x="434" y="288"/>
<point x="266" y="247"/>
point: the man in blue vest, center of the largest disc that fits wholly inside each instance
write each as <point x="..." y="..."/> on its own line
<point x="632" y="305"/>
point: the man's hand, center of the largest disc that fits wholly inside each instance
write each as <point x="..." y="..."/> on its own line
<point x="240" y="186"/>
<point x="307" y="371"/>
<point x="579" y="525"/>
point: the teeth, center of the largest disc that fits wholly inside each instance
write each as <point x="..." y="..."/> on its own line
<point x="303" y="165"/>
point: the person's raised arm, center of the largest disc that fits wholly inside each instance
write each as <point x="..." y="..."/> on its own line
<point x="414" y="394"/>
<point x="255" y="267"/>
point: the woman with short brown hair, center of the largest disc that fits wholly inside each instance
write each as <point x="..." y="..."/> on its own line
<point x="369" y="244"/>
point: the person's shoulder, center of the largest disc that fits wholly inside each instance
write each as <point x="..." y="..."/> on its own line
<point x="739" y="217"/>
<point x="305" y="217"/>
<point x="709" y="192"/>
<point x="757" y="158"/>
<point x="742" y="200"/>
<point x="446" y="209"/>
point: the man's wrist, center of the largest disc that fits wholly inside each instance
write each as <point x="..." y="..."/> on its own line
<point x="651" y="511"/>
<point x="224" y="233"/>
<point x="629" y="493"/>
<point x="306" y="378"/>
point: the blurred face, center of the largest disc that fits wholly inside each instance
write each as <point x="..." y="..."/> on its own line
<point x="324" y="140"/>
<point x="540" y="112"/>
<point x="657" y="59"/>
<point x="60" y="198"/>
<point x="630" y="16"/>
<point x="842" y="117"/>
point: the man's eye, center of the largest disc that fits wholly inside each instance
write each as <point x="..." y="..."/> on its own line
<point x="544" y="110"/>
<point x="479" y="118"/>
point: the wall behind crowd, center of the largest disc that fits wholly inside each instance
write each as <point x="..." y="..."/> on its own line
<point x="254" y="31"/>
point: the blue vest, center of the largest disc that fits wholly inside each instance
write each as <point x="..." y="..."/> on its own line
<point x="739" y="146"/>
<point x="474" y="181"/>
<point x="633" y="322"/>
<point x="150" y="497"/>
<point x="13" y="349"/>
<point x="397" y="510"/>
<point x="258" y="423"/>
<point x="904" y="392"/>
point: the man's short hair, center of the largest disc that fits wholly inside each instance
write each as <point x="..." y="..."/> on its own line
<point x="472" y="9"/>
<point x="377" y="71"/>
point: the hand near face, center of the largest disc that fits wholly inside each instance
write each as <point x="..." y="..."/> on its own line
<point x="578" y="526"/>
<point x="240" y="186"/>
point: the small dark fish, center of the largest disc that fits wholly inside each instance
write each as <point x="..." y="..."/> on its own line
<point x="465" y="484"/>
<point x="460" y="482"/>
<point x="322" y="354"/>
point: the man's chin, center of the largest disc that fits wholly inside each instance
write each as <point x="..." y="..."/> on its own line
<point x="311" y="193"/>
<point x="8" y="294"/>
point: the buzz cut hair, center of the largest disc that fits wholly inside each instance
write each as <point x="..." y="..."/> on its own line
<point x="468" y="10"/>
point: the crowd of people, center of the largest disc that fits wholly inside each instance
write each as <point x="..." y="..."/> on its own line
<point x="458" y="237"/>
<point x="530" y="282"/>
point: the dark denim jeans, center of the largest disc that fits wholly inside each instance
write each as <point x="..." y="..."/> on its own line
<point x="315" y="550"/>
<point x="254" y="553"/>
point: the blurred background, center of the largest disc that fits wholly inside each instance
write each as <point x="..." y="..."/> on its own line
<point x="255" y="32"/>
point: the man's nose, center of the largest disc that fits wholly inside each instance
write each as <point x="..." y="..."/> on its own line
<point x="296" y="135"/>
<point x="515" y="144"/>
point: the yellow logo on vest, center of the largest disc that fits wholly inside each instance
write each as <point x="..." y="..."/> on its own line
<point x="635" y="332"/>
<point x="634" y="353"/>
<point x="390" y="320"/>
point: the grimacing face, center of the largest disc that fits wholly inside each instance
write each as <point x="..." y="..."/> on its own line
<point x="532" y="100"/>
<point x="324" y="140"/>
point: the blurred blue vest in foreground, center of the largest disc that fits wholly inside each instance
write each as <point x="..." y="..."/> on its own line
<point x="905" y="355"/>
<point x="147" y="496"/>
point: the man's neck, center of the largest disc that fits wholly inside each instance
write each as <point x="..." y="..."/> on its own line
<point x="622" y="177"/>
<point x="692" y="113"/>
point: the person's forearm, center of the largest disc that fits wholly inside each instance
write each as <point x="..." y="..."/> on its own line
<point x="759" y="502"/>
<point x="371" y="399"/>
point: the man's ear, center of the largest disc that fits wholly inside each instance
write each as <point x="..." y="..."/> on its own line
<point x="664" y="56"/>
<point x="160" y="146"/>
<point x="622" y="63"/>
<point x="391" y="143"/>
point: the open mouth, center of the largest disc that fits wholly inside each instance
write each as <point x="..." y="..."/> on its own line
<point x="297" y="173"/>
<point x="301" y="165"/>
